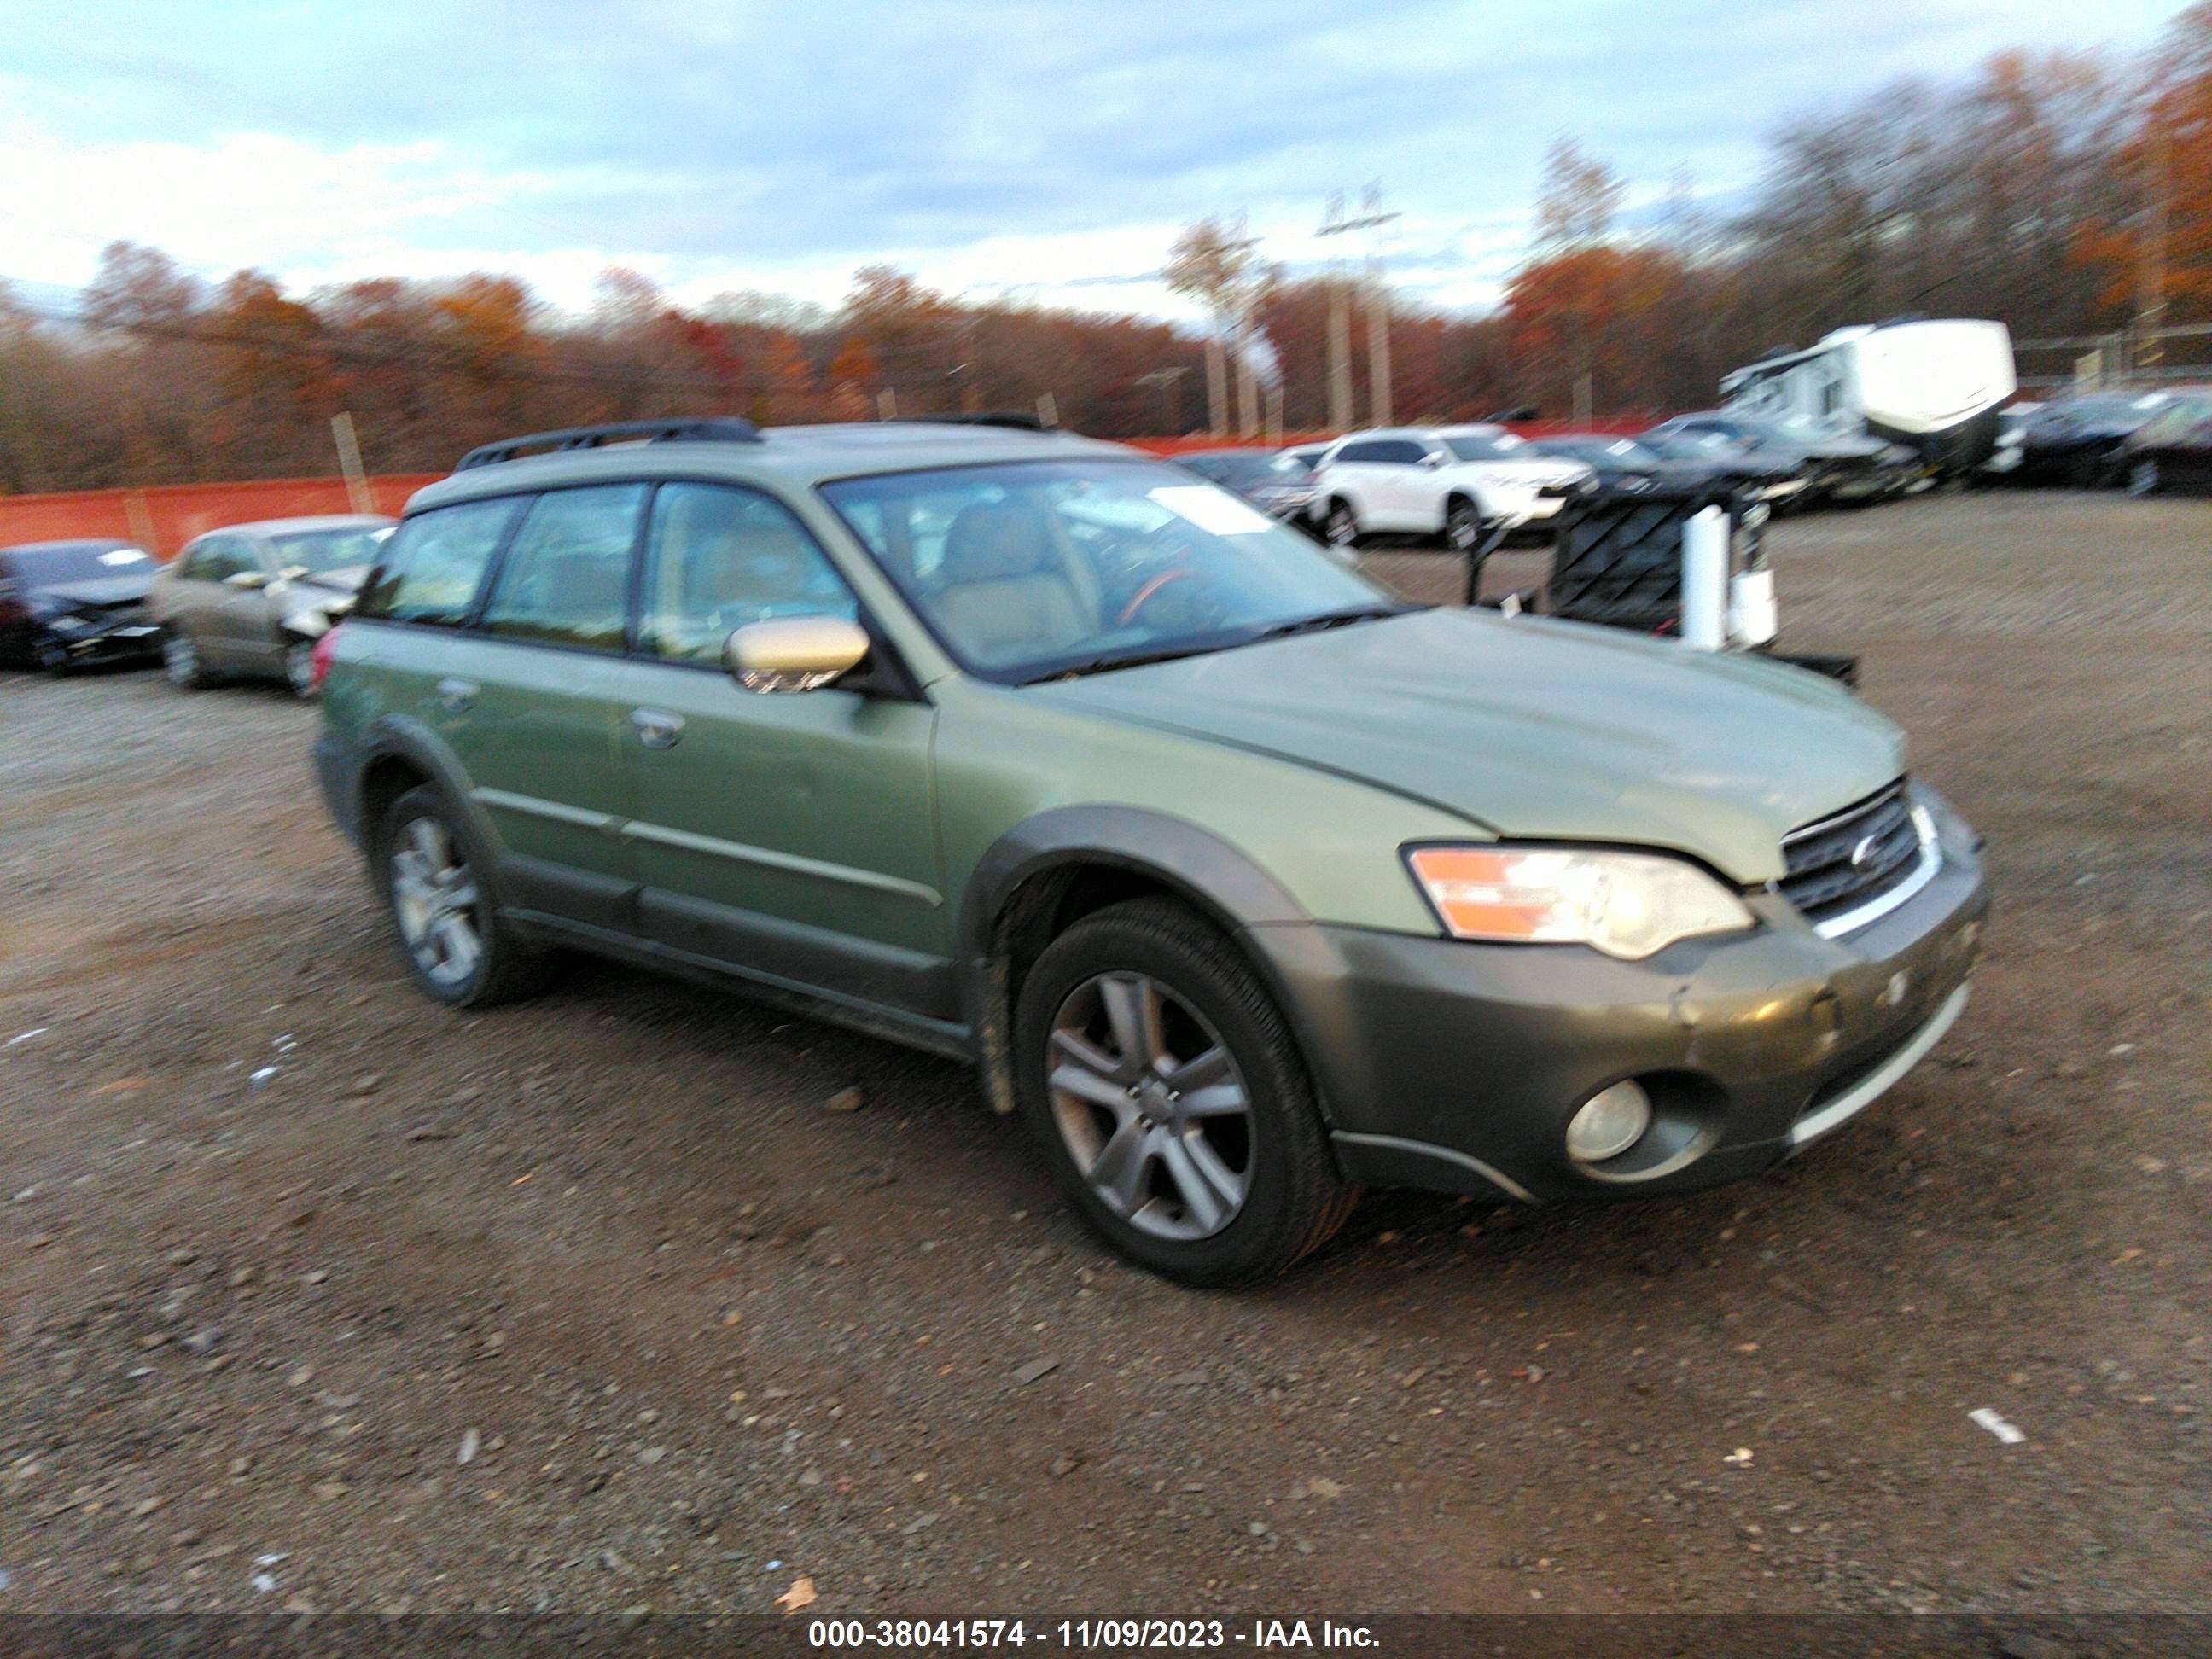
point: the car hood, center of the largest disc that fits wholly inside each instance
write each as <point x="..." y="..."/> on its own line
<point x="93" y="591"/>
<point x="1534" y="729"/>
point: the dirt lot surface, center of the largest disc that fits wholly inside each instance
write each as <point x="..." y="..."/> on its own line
<point x="592" y="1305"/>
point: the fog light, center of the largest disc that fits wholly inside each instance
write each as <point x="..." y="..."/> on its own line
<point x="1610" y="1122"/>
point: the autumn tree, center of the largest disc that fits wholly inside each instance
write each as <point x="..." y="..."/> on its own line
<point x="1212" y="263"/>
<point x="913" y="331"/>
<point x="273" y="374"/>
<point x="853" y="375"/>
<point x="2153" y="253"/>
<point x="483" y="327"/>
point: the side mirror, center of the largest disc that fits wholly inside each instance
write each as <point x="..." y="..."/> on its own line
<point x="794" y="653"/>
<point x="292" y="573"/>
<point x="246" y="579"/>
<point x="1432" y="460"/>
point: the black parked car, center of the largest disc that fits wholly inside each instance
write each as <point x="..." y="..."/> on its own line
<point x="2077" y="441"/>
<point x="1637" y="464"/>
<point x="1271" y="480"/>
<point x="66" y="603"/>
<point x="2173" y="451"/>
<point x="1838" y="466"/>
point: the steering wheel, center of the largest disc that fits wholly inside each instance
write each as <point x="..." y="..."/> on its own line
<point x="1144" y="595"/>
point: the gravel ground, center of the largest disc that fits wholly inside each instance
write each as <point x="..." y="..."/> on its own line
<point x="592" y="1305"/>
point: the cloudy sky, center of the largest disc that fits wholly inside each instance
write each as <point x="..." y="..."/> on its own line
<point x="1048" y="148"/>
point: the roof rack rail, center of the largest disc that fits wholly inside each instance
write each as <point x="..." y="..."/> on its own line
<point x="1015" y="418"/>
<point x="707" y="428"/>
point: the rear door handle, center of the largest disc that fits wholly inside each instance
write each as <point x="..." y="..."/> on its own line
<point x="457" y="695"/>
<point x="657" y="728"/>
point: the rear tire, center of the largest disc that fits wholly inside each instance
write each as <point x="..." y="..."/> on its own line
<point x="1224" y="1179"/>
<point x="1462" y="525"/>
<point x="430" y="876"/>
<point x="2143" y="478"/>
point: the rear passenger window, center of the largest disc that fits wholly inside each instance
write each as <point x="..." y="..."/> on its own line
<point x="433" y="563"/>
<point x="566" y="579"/>
<point x="720" y="558"/>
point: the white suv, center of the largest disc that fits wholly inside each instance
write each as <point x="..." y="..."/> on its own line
<point x="1453" y="481"/>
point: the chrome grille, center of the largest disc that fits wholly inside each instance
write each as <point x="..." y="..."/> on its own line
<point x="1848" y="860"/>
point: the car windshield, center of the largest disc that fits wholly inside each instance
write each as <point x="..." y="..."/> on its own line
<point x="1603" y="452"/>
<point x="321" y="552"/>
<point x="1028" y="570"/>
<point x="1254" y="468"/>
<point x="83" y="561"/>
<point x="2114" y="406"/>
<point x="1483" y="445"/>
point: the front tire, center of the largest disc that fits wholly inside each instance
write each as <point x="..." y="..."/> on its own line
<point x="1171" y="1101"/>
<point x="2143" y="478"/>
<point x="451" y="936"/>
<point x="299" y="668"/>
<point x="180" y="661"/>
<point x="50" y="654"/>
<point x="1340" y="527"/>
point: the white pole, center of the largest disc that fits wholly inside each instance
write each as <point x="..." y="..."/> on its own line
<point x="1704" y="578"/>
<point x="1378" y="345"/>
<point x="1217" y="390"/>
<point x="357" y="480"/>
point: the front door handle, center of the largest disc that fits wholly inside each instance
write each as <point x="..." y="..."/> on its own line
<point x="457" y="695"/>
<point x="657" y="728"/>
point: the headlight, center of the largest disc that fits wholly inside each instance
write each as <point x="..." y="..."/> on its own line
<point x="1625" y="904"/>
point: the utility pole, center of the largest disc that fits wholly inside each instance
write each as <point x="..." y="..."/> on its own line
<point x="1170" y="381"/>
<point x="2150" y="259"/>
<point x="1217" y="388"/>
<point x="1370" y="217"/>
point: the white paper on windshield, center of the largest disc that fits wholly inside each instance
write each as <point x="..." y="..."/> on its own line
<point x="123" y="556"/>
<point x="1214" y="511"/>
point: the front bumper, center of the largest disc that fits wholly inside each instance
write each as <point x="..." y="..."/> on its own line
<point x="1456" y="1066"/>
<point x="105" y="642"/>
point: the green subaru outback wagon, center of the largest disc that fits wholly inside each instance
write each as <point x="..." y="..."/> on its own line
<point x="1248" y="885"/>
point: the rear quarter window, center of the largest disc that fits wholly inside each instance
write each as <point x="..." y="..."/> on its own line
<point x="435" y="561"/>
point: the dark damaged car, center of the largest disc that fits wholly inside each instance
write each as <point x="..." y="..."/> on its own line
<point x="71" y="603"/>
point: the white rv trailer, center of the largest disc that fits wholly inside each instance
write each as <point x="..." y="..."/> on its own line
<point x="1935" y="386"/>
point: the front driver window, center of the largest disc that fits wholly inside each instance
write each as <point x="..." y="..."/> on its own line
<point x="720" y="557"/>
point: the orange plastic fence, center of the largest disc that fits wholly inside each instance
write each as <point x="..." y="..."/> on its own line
<point x="163" y="517"/>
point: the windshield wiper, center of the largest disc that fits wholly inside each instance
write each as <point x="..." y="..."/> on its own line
<point x="1101" y="664"/>
<point x="1119" y="659"/>
<point x="1328" y="619"/>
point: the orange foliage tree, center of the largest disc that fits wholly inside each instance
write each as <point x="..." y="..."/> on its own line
<point x="2167" y="161"/>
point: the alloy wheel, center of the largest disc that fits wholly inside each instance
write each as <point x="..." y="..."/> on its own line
<point x="180" y="660"/>
<point x="434" y="896"/>
<point x="1343" y="528"/>
<point x="1462" y="527"/>
<point x="2142" y="478"/>
<point x="299" y="668"/>
<point x="1151" y="1106"/>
